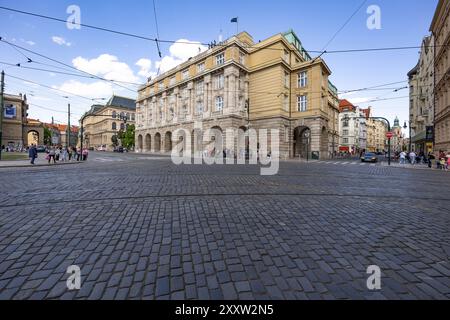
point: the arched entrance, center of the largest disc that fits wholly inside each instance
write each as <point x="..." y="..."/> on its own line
<point x="140" y="142"/>
<point x="32" y="138"/>
<point x="148" y="143"/>
<point x="158" y="142"/>
<point x="168" y="142"/>
<point x="302" y="142"/>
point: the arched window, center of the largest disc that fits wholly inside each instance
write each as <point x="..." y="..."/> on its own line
<point x="122" y="115"/>
<point x="114" y="126"/>
<point x="114" y="114"/>
<point x="122" y="126"/>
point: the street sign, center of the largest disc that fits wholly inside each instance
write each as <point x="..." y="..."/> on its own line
<point x="389" y="135"/>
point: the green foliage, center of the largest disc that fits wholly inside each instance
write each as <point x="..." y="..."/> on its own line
<point x="127" y="137"/>
<point x="115" y="140"/>
<point x="47" y="136"/>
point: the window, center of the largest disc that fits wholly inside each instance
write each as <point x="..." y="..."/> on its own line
<point x="286" y="79"/>
<point x="345" y="133"/>
<point x="302" y="102"/>
<point x="241" y="58"/>
<point x="219" y="103"/>
<point x="302" y="79"/>
<point x="185" y="74"/>
<point x="161" y="86"/>
<point x="345" y="123"/>
<point x="286" y="56"/>
<point x="199" y="108"/>
<point x="114" y="126"/>
<point x="114" y="114"/>
<point x="199" y="88"/>
<point x="132" y="117"/>
<point x="220" y="59"/>
<point x="220" y="81"/>
<point x="172" y="81"/>
<point x="201" y="67"/>
<point x="122" y="116"/>
<point x="345" y="140"/>
<point x="286" y="103"/>
<point x="122" y="126"/>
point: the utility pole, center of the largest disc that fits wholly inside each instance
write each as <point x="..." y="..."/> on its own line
<point x="68" y="126"/>
<point x="2" y="88"/>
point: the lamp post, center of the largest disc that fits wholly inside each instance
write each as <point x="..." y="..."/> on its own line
<point x="410" y="137"/>
<point x="307" y="135"/>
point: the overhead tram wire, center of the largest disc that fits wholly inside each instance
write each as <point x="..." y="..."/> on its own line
<point x="51" y="88"/>
<point x="206" y="44"/>
<point x="65" y="64"/>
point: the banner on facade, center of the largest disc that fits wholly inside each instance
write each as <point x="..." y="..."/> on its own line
<point x="10" y="112"/>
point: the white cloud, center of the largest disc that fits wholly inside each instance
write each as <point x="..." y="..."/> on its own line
<point x="106" y="66"/>
<point x="145" y="68"/>
<point x="61" y="41"/>
<point x="31" y="43"/>
<point x="98" y="89"/>
<point x="180" y="52"/>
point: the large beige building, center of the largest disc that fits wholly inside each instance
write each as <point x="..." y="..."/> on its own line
<point x="440" y="28"/>
<point x="272" y="84"/>
<point x="18" y="130"/>
<point x="102" y="122"/>
<point x="421" y="92"/>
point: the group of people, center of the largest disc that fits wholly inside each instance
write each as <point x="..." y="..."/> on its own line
<point x="59" y="154"/>
<point x="442" y="161"/>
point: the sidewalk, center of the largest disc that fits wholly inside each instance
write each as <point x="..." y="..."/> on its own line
<point x="39" y="162"/>
<point x="410" y="166"/>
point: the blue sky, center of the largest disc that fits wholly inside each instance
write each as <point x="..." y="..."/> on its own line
<point x="404" y="23"/>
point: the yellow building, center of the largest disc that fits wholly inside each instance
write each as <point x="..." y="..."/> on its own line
<point x="103" y="122"/>
<point x="18" y="130"/>
<point x="272" y="84"/>
<point x="440" y="28"/>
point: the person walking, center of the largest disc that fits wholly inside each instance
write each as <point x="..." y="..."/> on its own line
<point x="85" y="154"/>
<point x="65" y="154"/>
<point x="402" y="157"/>
<point x="52" y="155"/>
<point x="412" y="157"/>
<point x="32" y="153"/>
<point x="431" y="157"/>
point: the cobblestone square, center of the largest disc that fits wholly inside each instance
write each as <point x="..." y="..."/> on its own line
<point x="140" y="227"/>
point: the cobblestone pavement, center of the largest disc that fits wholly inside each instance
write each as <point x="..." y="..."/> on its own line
<point x="143" y="228"/>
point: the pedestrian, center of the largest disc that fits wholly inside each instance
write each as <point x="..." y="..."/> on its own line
<point x="412" y="157"/>
<point x="70" y="153"/>
<point x="78" y="154"/>
<point x="402" y="157"/>
<point x="431" y="157"/>
<point x="52" y="155"/>
<point x="57" y="153"/>
<point x="32" y="153"/>
<point x="64" y="154"/>
<point x="85" y="154"/>
<point x="443" y="163"/>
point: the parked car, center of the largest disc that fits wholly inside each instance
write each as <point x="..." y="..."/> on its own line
<point x="41" y="149"/>
<point x="119" y="149"/>
<point x="369" y="157"/>
<point x="102" y="148"/>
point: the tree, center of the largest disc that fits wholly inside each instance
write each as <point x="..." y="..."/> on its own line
<point x="47" y="136"/>
<point x="115" y="140"/>
<point x="127" y="137"/>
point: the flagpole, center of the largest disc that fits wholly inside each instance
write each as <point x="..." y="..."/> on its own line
<point x="237" y="26"/>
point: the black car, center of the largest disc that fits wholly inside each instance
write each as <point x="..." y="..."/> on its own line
<point x="41" y="149"/>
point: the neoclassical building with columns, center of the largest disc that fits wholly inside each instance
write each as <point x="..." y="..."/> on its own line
<point x="241" y="84"/>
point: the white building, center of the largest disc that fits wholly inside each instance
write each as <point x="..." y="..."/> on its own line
<point x="352" y="128"/>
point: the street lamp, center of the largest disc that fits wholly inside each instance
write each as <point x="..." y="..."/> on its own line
<point x="307" y="135"/>
<point x="410" y="138"/>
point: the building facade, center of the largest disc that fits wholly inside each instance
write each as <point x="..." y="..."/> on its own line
<point x="352" y="128"/>
<point x="421" y="92"/>
<point x="398" y="142"/>
<point x="240" y="84"/>
<point x="102" y="122"/>
<point x="440" y="29"/>
<point x="18" y="130"/>
<point x="59" y="134"/>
